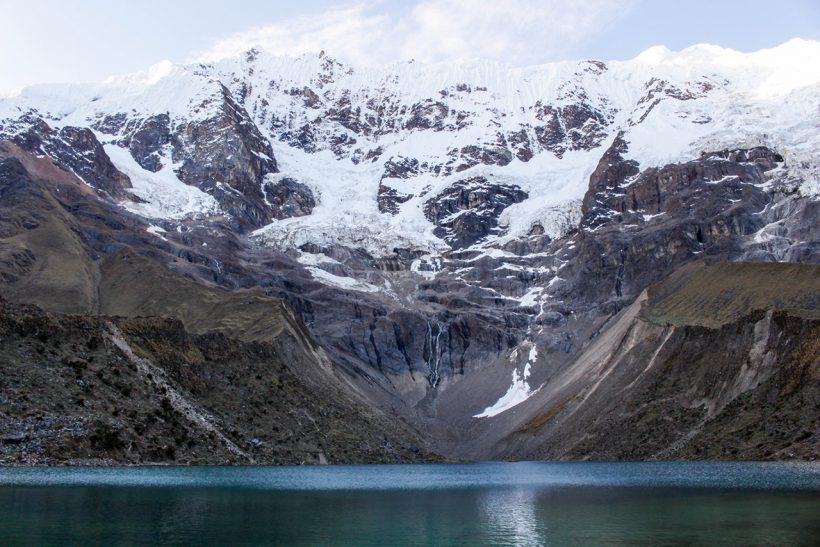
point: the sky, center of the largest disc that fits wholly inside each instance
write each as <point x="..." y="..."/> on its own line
<point x="89" y="40"/>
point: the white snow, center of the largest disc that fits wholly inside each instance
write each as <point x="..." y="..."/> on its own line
<point x="166" y="195"/>
<point x="531" y="297"/>
<point x="309" y="259"/>
<point x="554" y="281"/>
<point x="719" y="181"/>
<point x="157" y="231"/>
<point x="431" y="265"/>
<point x="347" y="283"/>
<point x="647" y="217"/>
<point x="730" y="99"/>
<point x="346" y="211"/>
<point x="518" y="392"/>
<point x="670" y="132"/>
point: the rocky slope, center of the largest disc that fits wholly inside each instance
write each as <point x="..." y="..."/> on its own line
<point x="98" y="390"/>
<point x="454" y="237"/>
<point x="716" y="362"/>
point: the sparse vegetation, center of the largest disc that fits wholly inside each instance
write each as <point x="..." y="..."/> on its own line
<point x="542" y="419"/>
<point x="93" y="406"/>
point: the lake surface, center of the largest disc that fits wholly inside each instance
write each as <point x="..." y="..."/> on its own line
<point x="469" y="504"/>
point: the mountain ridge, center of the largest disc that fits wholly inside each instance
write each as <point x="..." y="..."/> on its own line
<point x="337" y="128"/>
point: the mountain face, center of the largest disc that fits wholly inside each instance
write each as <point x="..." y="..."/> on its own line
<point x="471" y="246"/>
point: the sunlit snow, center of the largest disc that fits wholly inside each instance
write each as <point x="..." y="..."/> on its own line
<point x="341" y="282"/>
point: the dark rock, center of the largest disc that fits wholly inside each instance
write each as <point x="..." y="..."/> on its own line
<point x="427" y="115"/>
<point x="536" y="230"/>
<point x="74" y="149"/>
<point x="468" y="210"/>
<point x="520" y="143"/>
<point x="13" y="178"/>
<point x="289" y="198"/>
<point x="255" y="399"/>
<point x="551" y="135"/>
<point x="586" y="127"/>
<point x="310" y="99"/>
<point x="474" y="155"/>
<point x="147" y="140"/>
<point x="638" y="227"/>
<point x="389" y="199"/>
<point x="577" y="126"/>
<point x="401" y="168"/>
<point x="303" y="137"/>
<point x="18" y="438"/>
<point x="232" y="167"/>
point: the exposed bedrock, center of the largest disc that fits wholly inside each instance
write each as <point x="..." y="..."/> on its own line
<point x="639" y="226"/>
<point x="223" y="154"/>
<point x="288" y="198"/>
<point x="440" y="337"/>
<point x="468" y="210"/>
<point x="74" y="149"/>
<point x="717" y="362"/>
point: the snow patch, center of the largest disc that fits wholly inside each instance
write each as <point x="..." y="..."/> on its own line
<point x="709" y="98"/>
<point x="517" y="393"/>
<point x="347" y="283"/>
<point x="647" y="218"/>
<point x="531" y="297"/>
<point x="164" y="194"/>
<point x="157" y="231"/>
<point x="309" y="259"/>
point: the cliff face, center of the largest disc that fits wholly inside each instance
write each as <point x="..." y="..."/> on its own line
<point x="739" y="392"/>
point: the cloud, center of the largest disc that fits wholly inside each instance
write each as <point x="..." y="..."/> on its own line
<point x="519" y="32"/>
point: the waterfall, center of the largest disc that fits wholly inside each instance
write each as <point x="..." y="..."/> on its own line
<point x="434" y="358"/>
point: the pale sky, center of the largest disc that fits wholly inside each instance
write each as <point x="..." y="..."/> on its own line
<point x="89" y="40"/>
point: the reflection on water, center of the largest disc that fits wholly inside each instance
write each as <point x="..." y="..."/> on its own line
<point x="510" y="517"/>
<point x="499" y="504"/>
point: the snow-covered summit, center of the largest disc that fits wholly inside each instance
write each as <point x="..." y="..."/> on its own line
<point x="377" y="145"/>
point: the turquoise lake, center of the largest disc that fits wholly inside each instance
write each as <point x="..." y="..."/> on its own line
<point x="456" y="504"/>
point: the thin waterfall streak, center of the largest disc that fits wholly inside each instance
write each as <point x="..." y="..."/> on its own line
<point x="434" y="358"/>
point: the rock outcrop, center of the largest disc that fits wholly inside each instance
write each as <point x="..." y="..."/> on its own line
<point x="468" y="210"/>
<point x="716" y="362"/>
<point x="222" y="153"/>
<point x="639" y="226"/>
<point x="288" y="198"/>
<point x="74" y="149"/>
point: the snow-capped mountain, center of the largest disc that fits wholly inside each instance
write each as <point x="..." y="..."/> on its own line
<point x="457" y="237"/>
<point x="376" y="148"/>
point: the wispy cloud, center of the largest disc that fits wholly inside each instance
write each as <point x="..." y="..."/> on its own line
<point x="519" y="32"/>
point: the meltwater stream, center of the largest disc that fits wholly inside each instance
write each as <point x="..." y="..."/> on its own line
<point x="460" y="504"/>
